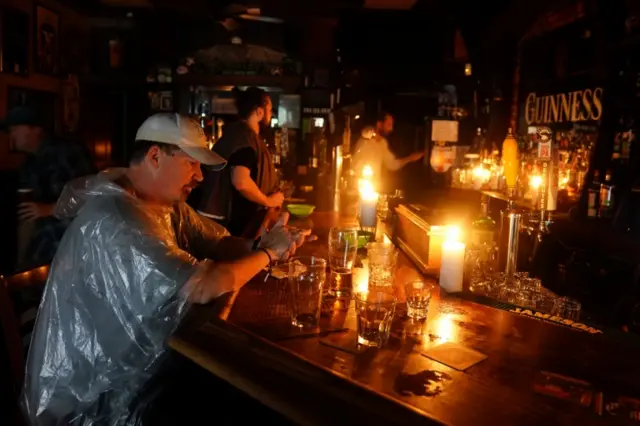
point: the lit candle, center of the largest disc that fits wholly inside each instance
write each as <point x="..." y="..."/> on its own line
<point x="368" y="205"/>
<point x="452" y="266"/>
<point x="437" y="235"/>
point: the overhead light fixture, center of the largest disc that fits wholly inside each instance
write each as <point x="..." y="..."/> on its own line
<point x="267" y="19"/>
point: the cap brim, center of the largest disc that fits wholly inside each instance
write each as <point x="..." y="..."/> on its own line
<point x="206" y="156"/>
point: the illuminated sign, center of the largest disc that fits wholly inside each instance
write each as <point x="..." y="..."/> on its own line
<point x="575" y="106"/>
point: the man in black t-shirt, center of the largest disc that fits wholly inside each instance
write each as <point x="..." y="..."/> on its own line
<point x="239" y="196"/>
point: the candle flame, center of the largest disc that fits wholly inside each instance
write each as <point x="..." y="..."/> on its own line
<point x="367" y="193"/>
<point x="453" y="233"/>
<point x="481" y="173"/>
<point x="535" y="181"/>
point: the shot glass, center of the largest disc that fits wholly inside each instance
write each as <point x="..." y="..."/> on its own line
<point x="374" y="315"/>
<point x="567" y="308"/>
<point x="418" y="296"/>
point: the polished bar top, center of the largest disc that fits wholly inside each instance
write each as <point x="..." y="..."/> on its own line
<point x="313" y="383"/>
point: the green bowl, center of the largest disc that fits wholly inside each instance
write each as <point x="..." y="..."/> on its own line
<point x="363" y="238"/>
<point x="300" y="210"/>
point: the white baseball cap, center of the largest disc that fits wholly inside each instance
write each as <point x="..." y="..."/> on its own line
<point x="183" y="132"/>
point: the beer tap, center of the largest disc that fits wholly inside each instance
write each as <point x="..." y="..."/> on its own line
<point x="548" y="191"/>
<point x="511" y="218"/>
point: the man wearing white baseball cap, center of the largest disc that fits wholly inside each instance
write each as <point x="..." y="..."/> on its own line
<point x="132" y="261"/>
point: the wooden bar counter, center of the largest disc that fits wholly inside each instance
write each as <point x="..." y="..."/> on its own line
<point x="242" y="339"/>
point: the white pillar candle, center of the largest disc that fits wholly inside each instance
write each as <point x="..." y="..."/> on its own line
<point x="452" y="266"/>
<point x="368" y="213"/>
<point x="368" y="204"/>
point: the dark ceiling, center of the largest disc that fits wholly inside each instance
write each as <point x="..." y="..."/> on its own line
<point x="385" y="36"/>
<point x="478" y="21"/>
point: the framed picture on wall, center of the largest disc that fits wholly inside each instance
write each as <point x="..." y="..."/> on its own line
<point x="46" y="37"/>
<point x="166" y="101"/>
<point x="14" y="38"/>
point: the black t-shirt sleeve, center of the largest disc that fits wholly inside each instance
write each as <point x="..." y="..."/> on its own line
<point x="244" y="157"/>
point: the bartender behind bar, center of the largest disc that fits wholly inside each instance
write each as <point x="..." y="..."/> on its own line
<point x="372" y="149"/>
<point x="240" y="196"/>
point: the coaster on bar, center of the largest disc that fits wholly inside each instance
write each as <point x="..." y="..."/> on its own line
<point x="454" y="355"/>
<point x="346" y="342"/>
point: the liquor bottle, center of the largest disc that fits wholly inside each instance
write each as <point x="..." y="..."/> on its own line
<point x="275" y="150"/>
<point x="483" y="228"/>
<point x="592" y="199"/>
<point x="323" y="146"/>
<point x="313" y="159"/>
<point x="478" y="142"/>
<point x="606" y="197"/>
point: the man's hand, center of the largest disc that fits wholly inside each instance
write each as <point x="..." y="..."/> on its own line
<point x="275" y="200"/>
<point x="32" y="211"/>
<point x="283" y="241"/>
<point x="416" y="156"/>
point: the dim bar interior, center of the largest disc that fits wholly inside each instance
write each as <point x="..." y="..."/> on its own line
<point x="395" y="212"/>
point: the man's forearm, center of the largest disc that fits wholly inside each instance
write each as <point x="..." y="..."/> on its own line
<point x="404" y="161"/>
<point x="251" y="192"/>
<point x="222" y="277"/>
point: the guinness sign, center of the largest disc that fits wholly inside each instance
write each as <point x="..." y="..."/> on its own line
<point x="578" y="105"/>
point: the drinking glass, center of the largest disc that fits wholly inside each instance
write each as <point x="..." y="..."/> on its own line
<point x="307" y="276"/>
<point x="418" y="296"/>
<point x="25" y="195"/>
<point x="508" y="294"/>
<point x="567" y="308"/>
<point x="519" y="277"/>
<point x="382" y="263"/>
<point x="545" y="301"/>
<point x="525" y="298"/>
<point x="343" y="247"/>
<point x="531" y="284"/>
<point x="374" y="315"/>
<point x="383" y="207"/>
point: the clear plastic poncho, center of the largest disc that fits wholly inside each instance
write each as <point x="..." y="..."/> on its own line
<point x="111" y="301"/>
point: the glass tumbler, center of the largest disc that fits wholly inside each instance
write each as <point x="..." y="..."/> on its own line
<point x="307" y="276"/>
<point x="374" y="316"/>
<point x="343" y="248"/>
<point x="567" y="308"/>
<point x="382" y="264"/>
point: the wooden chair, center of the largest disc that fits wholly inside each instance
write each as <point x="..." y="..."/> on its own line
<point x="16" y="320"/>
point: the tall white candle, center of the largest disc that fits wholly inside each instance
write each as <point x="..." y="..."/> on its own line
<point x="452" y="266"/>
<point x="368" y="213"/>
<point x="368" y="204"/>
